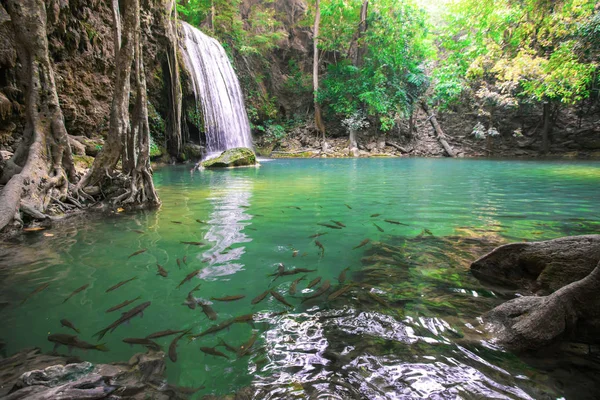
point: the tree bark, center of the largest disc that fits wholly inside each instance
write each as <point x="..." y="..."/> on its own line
<point x="42" y="166"/>
<point x="318" y="117"/>
<point x="362" y="28"/>
<point x="441" y="137"/>
<point x="547" y="126"/>
<point x="173" y="123"/>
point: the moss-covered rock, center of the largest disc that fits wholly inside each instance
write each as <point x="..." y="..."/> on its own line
<point x="237" y="157"/>
<point x="193" y="151"/>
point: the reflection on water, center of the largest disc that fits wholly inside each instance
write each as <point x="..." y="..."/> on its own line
<point x="406" y="327"/>
<point x="229" y="198"/>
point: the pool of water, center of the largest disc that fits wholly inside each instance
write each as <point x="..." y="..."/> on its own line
<point x="406" y="327"/>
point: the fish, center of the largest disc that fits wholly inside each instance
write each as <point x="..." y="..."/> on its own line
<point x="197" y="287"/>
<point x="138" y="231"/>
<point x="338" y="223"/>
<point x="179" y="263"/>
<point x="330" y="226"/>
<point x="260" y="297"/>
<point x="184" y="259"/>
<point x="364" y="242"/>
<point x="160" y="334"/>
<point x="194" y="243"/>
<point x="324" y="287"/>
<point x="188" y="277"/>
<point x="295" y="284"/>
<point x="173" y="346"/>
<point x="296" y="207"/>
<point x="161" y="271"/>
<point x="340" y="292"/>
<point x="378" y="227"/>
<point x="229" y="298"/>
<point x="297" y="271"/>
<point x="118" y="285"/>
<point x="81" y="289"/>
<point x="34" y="229"/>
<point x="200" y="221"/>
<point x="280" y="269"/>
<point x="215" y="328"/>
<point x="123" y="304"/>
<point x="280" y="298"/>
<point x="138" y="310"/>
<point x="342" y="276"/>
<point x="313" y="282"/>
<point x="316" y="235"/>
<point x="350" y="208"/>
<point x="375" y="215"/>
<point x="144" y="342"/>
<point x="73" y="341"/>
<point x="38" y="289"/>
<point x="213" y="352"/>
<point x="390" y="221"/>
<point x="245" y="348"/>
<point x="190" y="301"/>
<point x="320" y="245"/>
<point x="208" y="311"/>
<point x="68" y="324"/>
<point x="295" y="253"/>
<point x="427" y="231"/>
<point x="229" y="347"/>
<point x="137" y="252"/>
<point x="243" y="318"/>
<point x="176" y="222"/>
<point x="378" y="299"/>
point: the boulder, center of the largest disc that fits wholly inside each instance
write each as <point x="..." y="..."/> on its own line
<point x="237" y="157"/>
<point x="193" y="151"/>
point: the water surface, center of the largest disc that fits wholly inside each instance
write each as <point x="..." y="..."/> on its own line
<point x="408" y="328"/>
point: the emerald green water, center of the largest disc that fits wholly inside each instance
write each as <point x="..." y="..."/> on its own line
<point x="423" y="342"/>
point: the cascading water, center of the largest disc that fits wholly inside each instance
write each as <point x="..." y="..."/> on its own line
<point x="217" y="88"/>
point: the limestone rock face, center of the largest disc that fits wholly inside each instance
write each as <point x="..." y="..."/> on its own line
<point x="237" y="157"/>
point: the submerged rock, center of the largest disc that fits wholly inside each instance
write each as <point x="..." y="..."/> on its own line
<point x="237" y="157"/>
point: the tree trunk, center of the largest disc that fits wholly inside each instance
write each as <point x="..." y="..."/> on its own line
<point x="438" y="131"/>
<point x="173" y="123"/>
<point x="547" y="127"/>
<point x="42" y="166"/>
<point x="362" y="28"/>
<point x="318" y="118"/>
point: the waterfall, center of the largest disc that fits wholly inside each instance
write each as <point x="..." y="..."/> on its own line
<point x="217" y="88"/>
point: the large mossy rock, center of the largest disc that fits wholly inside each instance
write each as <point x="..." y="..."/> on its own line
<point x="237" y="157"/>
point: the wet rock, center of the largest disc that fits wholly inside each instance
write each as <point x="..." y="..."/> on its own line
<point x="237" y="157"/>
<point x="193" y="151"/>
<point x="542" y="267"/>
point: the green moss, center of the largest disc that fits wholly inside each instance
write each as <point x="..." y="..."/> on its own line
<point x="237" y="157"/>
<point x="83" y="162"/>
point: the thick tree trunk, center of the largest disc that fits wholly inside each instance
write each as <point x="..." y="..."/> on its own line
<point x="173" y="123"/>
<point x="42" y="166"/>
<point x="318" y="117"/>
<point x="362" y="28"/>
<point x="441" y="137"/>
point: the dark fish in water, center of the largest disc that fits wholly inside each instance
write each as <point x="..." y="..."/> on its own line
<point x="260" y="297"/>
<point x="378" y="227"/>
<point x="330" y="226"/>
<point x="38" y="289"/>
<point x="137" y="252"/>
<point x="295" y="284"/>
<point x="161" y="270"/>
<point x="138" y="310"/>
<point x="176" y="222"/>
<point x="427" y="231"/>
<point x="173" y="346"/>
<point x="229" y="298"/>
<point x="340" y="292"/>
<point x="320" y="245"/>
<point x="378" y="299"/>
<point x="280" y="269"/>
<point x="350" y="208"/>
<point x="295" y="253"/>
<point x="208" y="311"/>
<point x="324" y="287"/>
<point x="229" y="347"/>
<point x="190" y="301"/>
<point x="243" y="318"/>
<point x="342" y="276"/>
<point x="313" y="282"/>
<point x="68" y="324"/>
<point x="245" y="348"/>
<point x="118" y="285"/>
<point x="143" y="342"/>
<point x="375" y="215"/>
<point x="188" y="277"/>
<point x="178" y="263"/>
<point x="184" y="260"/>
<point x="390" y="221"/>
<point x="215" y="328"/>
<point x="194" y="243"/>
<point x="213" y="352"/>
<point x="338" y="223"/>
<point x="73" y="341"/>
<point x="160" y="334"/>
<point x="123" y="304"/>
<point x="81" y="289"/>
<point x="200" y="221"/>
<point x="297" y="271"/>
<point x="280" y="298"/>
<point x="196" y="288"/>
<point x="364" y="242"/>
<point x="296" y="207"/>
<point x="138" y="231"/>
<point x="316" y="235"/>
